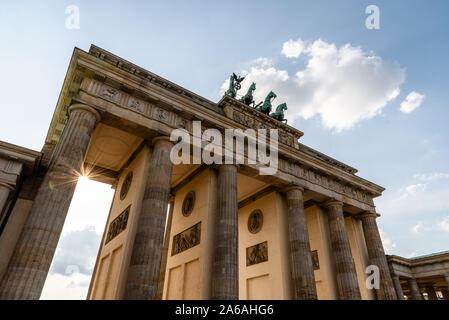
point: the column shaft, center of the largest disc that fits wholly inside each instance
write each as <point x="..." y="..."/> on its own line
<point x="165" y="249"/>
<point x="29" y="264"/>
<point x="414" y="289"/>
<point x="300" y="256"/>
<point x="347" y="282"/>
<point x="398" y="287"/>
<point x="143" y="273"/>
<point x="225" y="279"/>
<point x="377" y="256"/>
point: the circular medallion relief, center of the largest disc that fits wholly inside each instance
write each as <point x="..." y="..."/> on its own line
<point x="255" y="221"/>
<point x="188" y="203"/>
<point x="125" y="185"/>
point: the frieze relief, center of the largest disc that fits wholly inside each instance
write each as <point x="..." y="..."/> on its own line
<point x="182" y="123"/>
<point x="249" y="122"/>
<point x="130" y="102"/>
<point x="323" y="180"/>
<point x="251" y="118"/>
<point x="257" y="254"/>
<point x="162" y="115"/>
<point x="118" y="225"/>
<point x="110" y="93"/>
<point x="187" y="239"/>
<point x="136" y="105"/>
<point x="119" y="97"/>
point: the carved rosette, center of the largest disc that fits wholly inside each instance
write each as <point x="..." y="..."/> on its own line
<point x="188" y="204"/>
<point x="255" y="221"/>
<point x="126" y="185"/>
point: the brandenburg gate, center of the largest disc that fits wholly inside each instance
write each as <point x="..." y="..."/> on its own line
<point x="185" y="231"/>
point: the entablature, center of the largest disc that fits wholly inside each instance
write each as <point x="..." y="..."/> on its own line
<point x="108" y="82"/>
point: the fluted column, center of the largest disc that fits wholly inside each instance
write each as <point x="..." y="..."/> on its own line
<point x="225" y="280"/>
<point x="160" y="286"/>
<point x="5" y="190"/>
<point x="300" y="256"/>
<point x="29" y="264"/>
<point x="414" y="289"/>
<point x="377" y="256"/>
<point x="348" y="286"/>
<point x="397" y="287"/>
<point x="431" y="294"/>
<point x="143" y="273"/>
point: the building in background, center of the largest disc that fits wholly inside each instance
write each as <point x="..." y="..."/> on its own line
<point x="423" y="277"/>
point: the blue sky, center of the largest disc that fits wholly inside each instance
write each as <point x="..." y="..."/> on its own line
<point x="197" y="44"/>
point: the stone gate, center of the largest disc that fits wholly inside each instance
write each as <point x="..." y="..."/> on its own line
<point x="308" y="231"/>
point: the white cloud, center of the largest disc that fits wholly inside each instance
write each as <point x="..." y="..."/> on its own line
<point x="411" y="102"/>
<point x="430" y="176"/>
<point x="444" y="224"/>
<point x="388" y="244"/>
<point x="293" y="49"/>
<point x="341" y="85"/>
<point x="77" y="249"/>
<point x="413" y="190"/>
<point x="427" y="195"/>
<point x="417" y="227"/>
<point x="346" y="84"/>
<point x="66" y="287"/>
<point x="264" y="62"/>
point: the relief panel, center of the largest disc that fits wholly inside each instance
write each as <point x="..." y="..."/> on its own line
<point x="187" y="239"/>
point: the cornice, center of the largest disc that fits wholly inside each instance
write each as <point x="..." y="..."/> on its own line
<point x="30" y="158"/>
<point x="148" y="76"/>
<point x="321" y="156"/>
<point x="421" y="260"/>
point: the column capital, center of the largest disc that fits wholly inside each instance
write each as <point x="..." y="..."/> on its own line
<point x="79" y="106"/>
<point x="159" y="139"/>
<point x="394" y="275"/>
<point x="368" y="214"/>
<point x="219" y="166"/>
<point x="333" y="203"/>
<point x="292" y="187"/>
